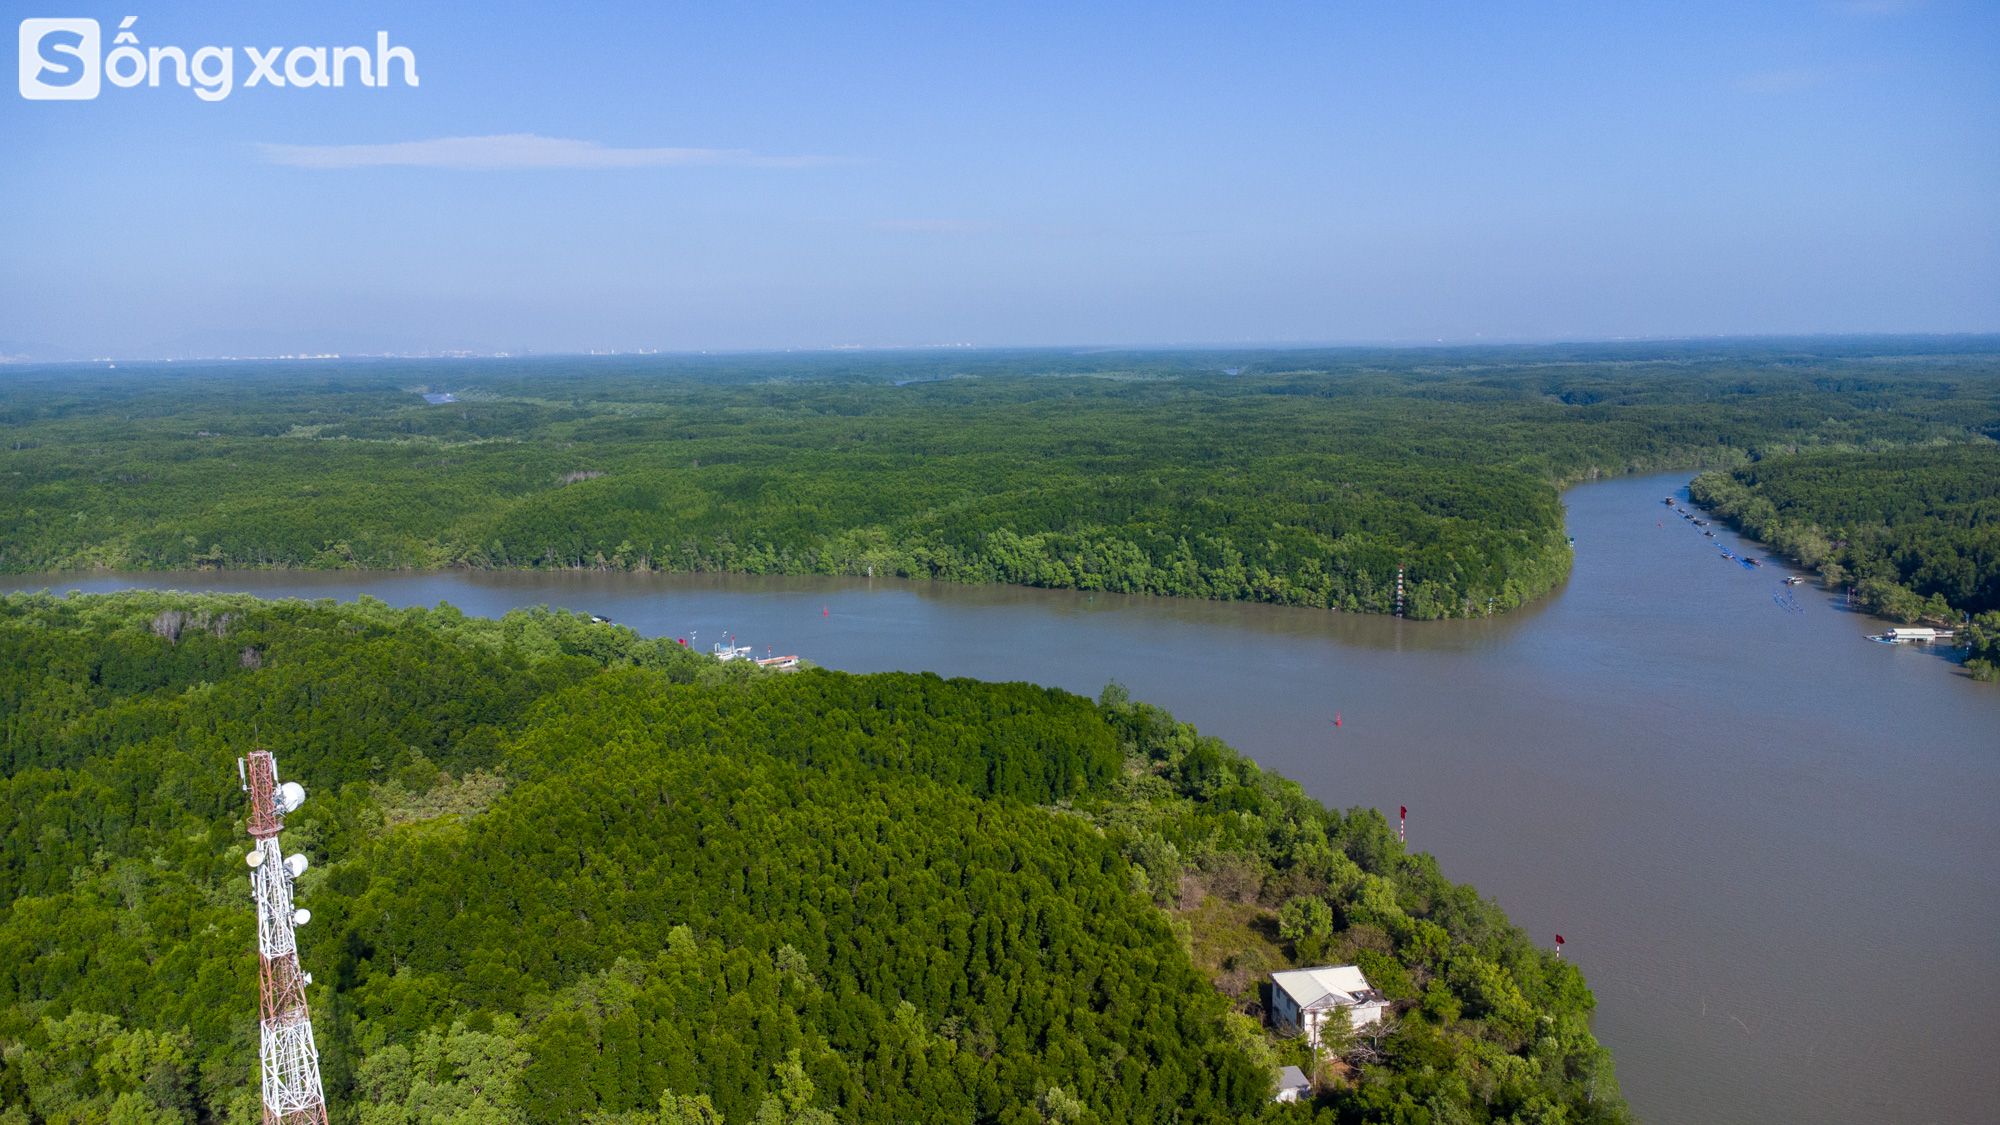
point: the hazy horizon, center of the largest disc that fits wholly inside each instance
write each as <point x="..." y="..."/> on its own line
<point x="927" y="362"/>
<point x="761" y="178"/>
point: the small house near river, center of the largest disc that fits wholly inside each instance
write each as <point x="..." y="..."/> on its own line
<point x="1304" y="999"/>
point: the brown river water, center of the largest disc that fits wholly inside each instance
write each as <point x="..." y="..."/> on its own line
<point x="1772" y="845"/>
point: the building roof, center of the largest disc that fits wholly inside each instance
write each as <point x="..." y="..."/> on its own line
<point x="1327" y="986"/>
<point x="1292" y="1078"/>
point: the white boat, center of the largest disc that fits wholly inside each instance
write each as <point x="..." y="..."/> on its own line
<point x="729" y="652"/>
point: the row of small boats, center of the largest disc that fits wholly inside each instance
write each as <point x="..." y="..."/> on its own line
<point x="1697" y="521"/>
<point x="1790" y="604"/>
<point x="1693" y="520"/>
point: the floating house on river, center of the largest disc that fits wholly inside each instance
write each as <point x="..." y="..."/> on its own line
<point x="1908" y="636"/>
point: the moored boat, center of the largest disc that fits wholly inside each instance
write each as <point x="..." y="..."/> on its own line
<point x="1907" y="635"/>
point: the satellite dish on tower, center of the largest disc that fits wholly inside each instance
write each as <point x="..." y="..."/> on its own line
<point x="291" y="1084"/>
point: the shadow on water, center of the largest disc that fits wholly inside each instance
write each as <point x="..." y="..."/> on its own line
<point x="649" y="602"/>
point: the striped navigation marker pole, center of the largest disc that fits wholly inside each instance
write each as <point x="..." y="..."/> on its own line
<point x="1402" y="817"/>
<point x="1399" y="591"/>
<point x="1559" y="945"/>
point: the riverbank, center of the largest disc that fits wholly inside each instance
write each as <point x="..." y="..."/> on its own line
<point x="1913" y="534"/>
<point x="1316" y="479"/>
<point x="1042" y="835"/>
<point x="1656" y="761"/>
<point x="1085" y="561"/>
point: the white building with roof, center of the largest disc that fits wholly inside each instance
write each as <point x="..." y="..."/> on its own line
<point x="1306" y="998"/>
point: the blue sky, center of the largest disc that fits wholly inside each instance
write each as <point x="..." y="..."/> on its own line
<point x="741" y="176"/>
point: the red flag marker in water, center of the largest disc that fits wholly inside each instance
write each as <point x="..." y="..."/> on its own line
<point x="1559" y="945"/>
<point x="1336" y="718"/>
<point x="822" y="611"/>
<point x="1402" y="815"/>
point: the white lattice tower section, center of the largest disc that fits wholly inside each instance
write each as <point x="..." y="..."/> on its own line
<point x="290" y="1061"/>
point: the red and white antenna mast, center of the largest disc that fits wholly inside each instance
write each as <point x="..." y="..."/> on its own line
<point x="290" y="1061"/>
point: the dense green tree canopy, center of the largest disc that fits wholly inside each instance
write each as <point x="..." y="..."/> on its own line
<point x="1918" y="531"/>
<point x="563" y="873"/>
<point x="1307" y="478"/>
<point x="1915" y="533"/>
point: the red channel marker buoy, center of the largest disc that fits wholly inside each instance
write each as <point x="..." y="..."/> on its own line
<point x="822" y="611"/>
<point x="1336" y="718"/>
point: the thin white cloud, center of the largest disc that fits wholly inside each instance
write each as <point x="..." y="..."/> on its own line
<point x="1781" y="81"/>
<point x="520" y="150"/>
<point x="1803" y="77"/>
<point x="974" y="226"/>
<point x="937" y="226"/>
<point x="1881" y="7"/>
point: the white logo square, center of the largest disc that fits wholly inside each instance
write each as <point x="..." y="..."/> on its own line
<point x="62" y="50"/>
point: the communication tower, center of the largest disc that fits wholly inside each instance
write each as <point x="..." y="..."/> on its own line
<point x="289" y="1059"/>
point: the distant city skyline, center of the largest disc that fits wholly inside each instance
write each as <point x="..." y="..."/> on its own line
<point x="760" y="177"/>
